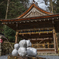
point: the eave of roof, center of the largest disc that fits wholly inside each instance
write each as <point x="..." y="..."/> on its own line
<point x="33" y="5"/>
<point x="31" y="18"/>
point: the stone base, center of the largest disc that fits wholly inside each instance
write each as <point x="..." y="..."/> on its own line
<point x="18" y="57"/>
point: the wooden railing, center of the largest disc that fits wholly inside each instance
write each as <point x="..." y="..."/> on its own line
<point x="51" y="45"/>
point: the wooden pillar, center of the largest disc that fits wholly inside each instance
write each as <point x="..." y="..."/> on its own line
<point x="16" y="37"/>
<point x="48" y="44"/>
<point x="54" y="39"/>
<point x="56" y="44"/>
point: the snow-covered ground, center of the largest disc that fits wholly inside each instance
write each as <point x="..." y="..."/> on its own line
<point x="47" y="57"/>
<point x="50" y="57"/>
<point x="4" y="57"/>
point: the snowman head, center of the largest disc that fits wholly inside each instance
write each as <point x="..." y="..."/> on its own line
<point x="16" y="46"/>
<point x="23" y="43"/>
<point x="28" y="43"/>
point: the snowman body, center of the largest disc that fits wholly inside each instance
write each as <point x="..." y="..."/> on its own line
<point x="15" y="52"/>
<point x="31" y="51"/>
<point x="22" y="51"/>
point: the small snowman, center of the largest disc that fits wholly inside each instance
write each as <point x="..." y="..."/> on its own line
<point x="15" y="51"/>
<point x="22" y="51"/>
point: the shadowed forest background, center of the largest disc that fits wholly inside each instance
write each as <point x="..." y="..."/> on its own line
<point x="13" y="8"/>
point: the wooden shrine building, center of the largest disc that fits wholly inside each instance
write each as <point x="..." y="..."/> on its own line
<point x="38" y="26"/>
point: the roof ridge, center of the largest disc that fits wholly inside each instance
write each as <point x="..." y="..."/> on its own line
<point x="33" y="5"/>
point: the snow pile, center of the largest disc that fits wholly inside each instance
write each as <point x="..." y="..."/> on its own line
<point x="24" y="48"/>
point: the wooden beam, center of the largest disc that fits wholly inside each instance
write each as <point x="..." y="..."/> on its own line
<point x="35" y="29"/>
<point x="35" y="32"/>
<point x="16" y="37"/>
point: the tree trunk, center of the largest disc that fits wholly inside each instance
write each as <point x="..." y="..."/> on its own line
<point x="7" y="9"/>
<point x="51" y="6"/>
<point x="6" y="14"/>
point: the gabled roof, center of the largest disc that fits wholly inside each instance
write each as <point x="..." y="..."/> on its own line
<point x="33" y="5"/>
<point x="31" y="18"/>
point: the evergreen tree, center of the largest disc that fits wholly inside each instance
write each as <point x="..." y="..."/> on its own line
<point x="16" y="8"/>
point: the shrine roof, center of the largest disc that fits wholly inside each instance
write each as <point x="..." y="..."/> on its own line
<point x="21" y="17"/>
<point x="38" y="8"/>
<point x="30" y="18"/>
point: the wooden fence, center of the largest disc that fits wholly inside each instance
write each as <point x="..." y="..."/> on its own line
<point x="51" y="45"/>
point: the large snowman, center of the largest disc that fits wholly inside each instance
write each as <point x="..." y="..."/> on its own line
<point x="24" y="49"/>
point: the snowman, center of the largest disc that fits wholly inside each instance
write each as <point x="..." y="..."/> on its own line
<point x="24" y="49"/>
<point x="15" y="51"/>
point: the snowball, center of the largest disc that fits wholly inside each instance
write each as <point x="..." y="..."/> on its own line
<point x="23" y="43"/>
<point x="28" y="43"/>
<point x="16" y="46"/>
<point x="14" y="52"/>
<point x="31" y="51"/>
<point x="22" y="51"/>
